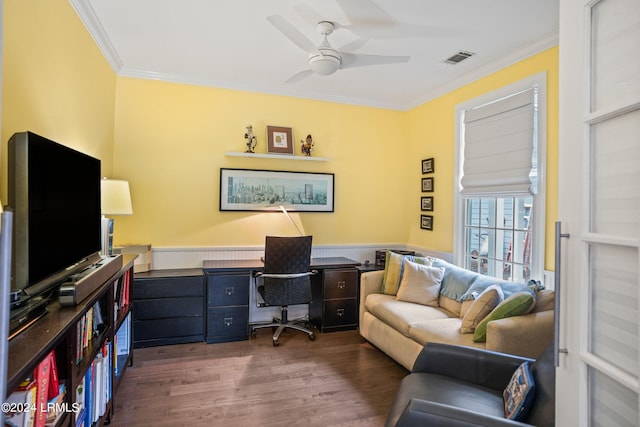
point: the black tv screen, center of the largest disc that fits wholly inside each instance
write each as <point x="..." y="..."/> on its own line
<point x="54" y="192"/>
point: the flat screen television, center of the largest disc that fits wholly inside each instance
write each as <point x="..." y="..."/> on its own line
<point x="54" y="192"/>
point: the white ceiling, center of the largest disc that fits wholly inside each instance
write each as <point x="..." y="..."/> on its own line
<point x="230" y="43"/>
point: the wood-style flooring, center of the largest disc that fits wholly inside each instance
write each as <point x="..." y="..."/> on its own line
<point x="337" y="380"/>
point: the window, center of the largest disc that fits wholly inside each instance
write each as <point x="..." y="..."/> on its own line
<point x="499" y="227"/>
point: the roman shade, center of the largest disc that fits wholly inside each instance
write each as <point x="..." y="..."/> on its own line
<point x="499" y="147"/>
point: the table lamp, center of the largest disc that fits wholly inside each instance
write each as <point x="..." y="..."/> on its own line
<point x="115" y="199"/>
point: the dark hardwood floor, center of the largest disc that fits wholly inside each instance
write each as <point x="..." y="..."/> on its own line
<point x="337" y="380"/>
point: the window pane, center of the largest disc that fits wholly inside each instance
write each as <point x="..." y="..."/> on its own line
<point x="610" y="403"/>
<point x="613" y="306"/>
<point x="497" y="239"/>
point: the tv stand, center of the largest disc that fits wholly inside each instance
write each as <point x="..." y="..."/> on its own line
<point x="77" y="354"/>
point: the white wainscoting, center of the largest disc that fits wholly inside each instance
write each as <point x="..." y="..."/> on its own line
<point x="191" y="257"/>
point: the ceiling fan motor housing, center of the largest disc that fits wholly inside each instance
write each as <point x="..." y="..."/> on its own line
<point x="326" y="62"/>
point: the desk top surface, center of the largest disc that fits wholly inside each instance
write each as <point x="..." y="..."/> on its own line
<point x="256" y="264"/>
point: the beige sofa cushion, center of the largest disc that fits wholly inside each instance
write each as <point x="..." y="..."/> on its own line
<point x="545" y="300"/>
<point x="442" y="331"/>
<point x="483" y="305"/>
<point x="420" y="284"/>
<point x="400" y="315"/>
<point x="450" y="305"/>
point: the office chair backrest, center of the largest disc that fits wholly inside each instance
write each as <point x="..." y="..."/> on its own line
<point x="287" y="254"/>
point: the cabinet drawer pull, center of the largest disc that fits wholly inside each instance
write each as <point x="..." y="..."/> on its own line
<point x="228" y="290"/>
<point x="340" y="312"/>
<point x="342" y="284"/>
<point x="228" y="321"/>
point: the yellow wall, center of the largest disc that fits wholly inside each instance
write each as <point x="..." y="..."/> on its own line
<point x="170" y="141"/>
<point x="433" y="133"/>
<point x="55" y="81"/>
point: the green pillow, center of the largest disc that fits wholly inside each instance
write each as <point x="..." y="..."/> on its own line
<point x="393" y="268"/>
<point x="515" y="305"/>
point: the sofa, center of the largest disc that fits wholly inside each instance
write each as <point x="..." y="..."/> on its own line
<point x="455" y="386"/>
<point x="399" y="315"/>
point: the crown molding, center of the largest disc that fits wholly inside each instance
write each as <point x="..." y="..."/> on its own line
<point x="91" y="22"/>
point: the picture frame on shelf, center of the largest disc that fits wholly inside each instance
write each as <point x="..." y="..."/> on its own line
<point x="279" y="140"/>
<point x="427" y="185"/>
<point x="268" y="190"/>
<point x="426" y="222"/>
<point x="428" y="165"/>
<point x="426" y="203"/>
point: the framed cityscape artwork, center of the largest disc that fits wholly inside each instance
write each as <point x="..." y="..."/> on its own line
<point x="267" y="190"/>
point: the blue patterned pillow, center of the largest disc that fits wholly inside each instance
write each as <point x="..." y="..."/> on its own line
<point x="519" y="394"/>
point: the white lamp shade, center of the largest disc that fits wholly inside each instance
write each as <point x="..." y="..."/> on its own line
<point x="115" y="197"/>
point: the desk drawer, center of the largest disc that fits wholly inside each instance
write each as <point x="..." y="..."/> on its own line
<point x="168" y="328"/>
<point x="340" y="283"/>
<point x="161" y="308"/>
<point x="340" y="312"/>
<point x="168" y="287"/>
<point x="227" y="323"/>
<point x="228" y="289"/>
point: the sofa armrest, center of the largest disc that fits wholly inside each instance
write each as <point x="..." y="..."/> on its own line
<point x="422" y="412"/>
<point x="527" y="335"/>
<point x="370" y="282"/>
<point x="474" y="365"/>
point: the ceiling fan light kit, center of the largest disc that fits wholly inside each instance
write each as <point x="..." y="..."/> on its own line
<point x="326" y="62"/>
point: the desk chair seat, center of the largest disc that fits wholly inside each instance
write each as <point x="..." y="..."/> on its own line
<point x="285" y="281"/>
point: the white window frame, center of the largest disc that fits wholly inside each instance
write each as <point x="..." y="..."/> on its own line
<point x="539" y="199"/>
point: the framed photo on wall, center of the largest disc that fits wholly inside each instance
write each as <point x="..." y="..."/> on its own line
<point x="279" y="140"/>
<point x="268" y="190"/>
<point x="426" y="203"/>
<point x="427" y="185"/>
<point x="428" y="166"/>
<point x="426" y="222"/>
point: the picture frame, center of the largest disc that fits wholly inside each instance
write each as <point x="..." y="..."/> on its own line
<point x="426" y="203"/>
<point x="279" y="140"/>
<point x="268" y="190"/>
<point x="427" y="185"/>
<point x="426" y="222"/>
<point x="428" y="165"/>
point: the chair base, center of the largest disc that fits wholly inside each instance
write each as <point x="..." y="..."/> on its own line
<point x="282" y="324"/>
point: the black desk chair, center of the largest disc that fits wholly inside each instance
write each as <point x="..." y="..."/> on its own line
<point x="285" y="281"/>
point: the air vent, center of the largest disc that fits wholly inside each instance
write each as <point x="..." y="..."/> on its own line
<point x="458" y="57"/>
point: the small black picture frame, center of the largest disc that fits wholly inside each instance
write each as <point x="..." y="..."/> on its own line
<point x="426" y="203"/>
<point x="428" y="165"/>
<point x="427" y="185"/>
<point x="426" y="222"/>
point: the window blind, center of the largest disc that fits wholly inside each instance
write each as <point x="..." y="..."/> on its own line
<point x="499" y="147"/>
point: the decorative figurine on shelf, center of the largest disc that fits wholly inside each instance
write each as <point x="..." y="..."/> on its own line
<point x="307" y="146"/>
<point x="250" y="139"/>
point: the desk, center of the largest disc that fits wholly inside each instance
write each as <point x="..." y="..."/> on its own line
<point x="334" y="291"/>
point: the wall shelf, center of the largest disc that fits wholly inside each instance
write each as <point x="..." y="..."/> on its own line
<point x="275" y="156"/>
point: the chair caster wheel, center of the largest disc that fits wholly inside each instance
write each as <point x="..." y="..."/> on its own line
<point x="276" y="343"/>
<point x="253" y="333"/>
<point x="312" y="337"/>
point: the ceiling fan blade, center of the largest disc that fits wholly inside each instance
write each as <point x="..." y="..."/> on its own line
<point x="292" y="33"/>
<point x="353" y="60"/>
<point x="299" y="76"/>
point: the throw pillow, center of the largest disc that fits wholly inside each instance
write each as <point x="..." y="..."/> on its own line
<point x="480" y="308"/>
<point x="519" y="303"/>
<point x="393" y="268"/>
<point x="420" y="284"/>
<point x="519" y="394"/>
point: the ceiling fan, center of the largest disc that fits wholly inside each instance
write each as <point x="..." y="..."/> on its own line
<point x="324" y="59"/>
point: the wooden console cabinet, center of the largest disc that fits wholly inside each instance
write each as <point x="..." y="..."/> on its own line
<point x="81" y="352"/>
<point x="169" y="307"/>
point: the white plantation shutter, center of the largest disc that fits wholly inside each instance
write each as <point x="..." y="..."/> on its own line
<point x="498" y="147"/>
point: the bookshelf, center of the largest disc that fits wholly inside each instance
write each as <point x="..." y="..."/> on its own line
<point x="88" y="344"/>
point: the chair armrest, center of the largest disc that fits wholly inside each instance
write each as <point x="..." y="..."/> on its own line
<point x="370" y="282"/>
<point x="285" y="275"/>
<point x="527" y="335"/>
<point x="422" y="412"/>
<point x="474" y="365"/>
